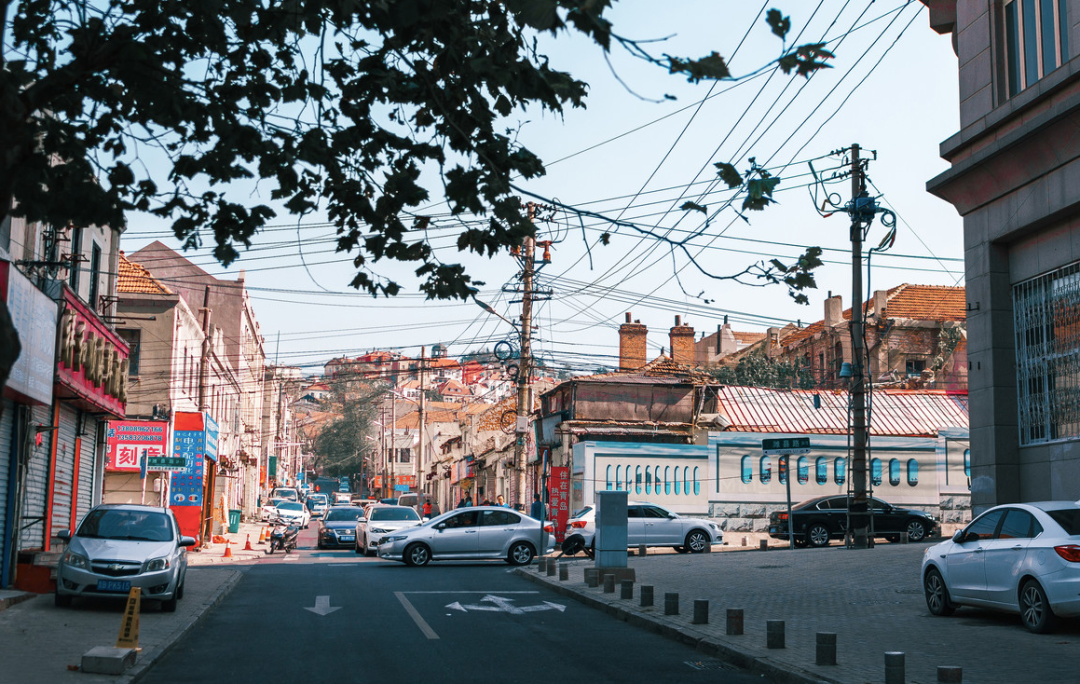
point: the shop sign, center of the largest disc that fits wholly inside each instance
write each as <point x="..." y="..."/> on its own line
<point x="34" y="316"/>
<point x="402" y="483"/>
<point x="559" y="491"/>
<point x="194" y="438"/>
<point x="132" y="443"/>
<point x="93" y="365"/>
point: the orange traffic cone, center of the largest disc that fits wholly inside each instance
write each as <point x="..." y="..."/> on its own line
<point x="247" y="544"/>
<point x="262" y="535"/>
<point x="228" y="549"/>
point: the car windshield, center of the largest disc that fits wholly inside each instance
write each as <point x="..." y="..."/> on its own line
<point x="276" y="502"/>
<point x="1068" y="518"/>
<point x="290" y="506"/>
<point x="129" y="525"/>
<point x="394" y="514"/>
<point x="582" y="512"/>
<point x="340" y="514"/>
<point x="286" y="494"/>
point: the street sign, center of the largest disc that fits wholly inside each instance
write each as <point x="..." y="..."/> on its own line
<point x="787" y="446"/>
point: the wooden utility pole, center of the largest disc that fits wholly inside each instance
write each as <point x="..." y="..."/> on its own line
<point x="420" y="445"/>
<point x="859" y="502"/>
<point x="525" y="365"/>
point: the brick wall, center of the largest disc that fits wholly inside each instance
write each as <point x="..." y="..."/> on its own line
<point x="633" y="346"/>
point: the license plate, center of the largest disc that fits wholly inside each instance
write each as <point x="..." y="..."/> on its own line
<point x="349" y="539"/>
<point x="113" y="585"/>
<point x="772" y="530"/>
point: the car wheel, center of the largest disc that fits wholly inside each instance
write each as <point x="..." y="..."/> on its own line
<point x="357" y="549"/>
<point x="369" y="552"/>
<point x="571" y="545"/>
<point x="937" y="594"/>
<point x="1035" y="608"/>
<point x="169" y="605"/>
<point x="696" y="541"/>
<point x="916" y="531"/>
<point x="180" y="591"/>
<point x="417" y="555"/>
<point x="62" y="600"/>
<point x="817" y="535"/>
<point x="521" y="553"/>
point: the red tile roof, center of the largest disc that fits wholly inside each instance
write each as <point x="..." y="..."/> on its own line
<point x="135" y="279"/>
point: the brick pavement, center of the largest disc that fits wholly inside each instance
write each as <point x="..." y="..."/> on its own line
<point x="871" y="599"/>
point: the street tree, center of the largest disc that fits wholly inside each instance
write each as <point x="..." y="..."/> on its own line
<point x="353" y="434"/>
<point x="755" y="369"/>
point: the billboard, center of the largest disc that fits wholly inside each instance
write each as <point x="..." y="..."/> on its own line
<point x="559" y="510"/>
<point x="131" y="442"/>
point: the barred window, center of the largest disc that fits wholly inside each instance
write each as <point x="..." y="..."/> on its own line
<point x="1036" y="41"/>
<point x="1046" y="314"/>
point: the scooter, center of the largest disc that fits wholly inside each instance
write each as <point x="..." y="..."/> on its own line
<point x="283" y="536"/>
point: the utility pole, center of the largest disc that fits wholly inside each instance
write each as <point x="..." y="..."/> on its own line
<point x="393" y="437"/>
<point x="525" y="365"/>
<point x="419" y="465"/>
<point x="204" y="362"/>
<point x="859" y="503"/>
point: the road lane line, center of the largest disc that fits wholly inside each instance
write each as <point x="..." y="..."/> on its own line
<point x="467" y="592"/>
<point x="420" y="622"/>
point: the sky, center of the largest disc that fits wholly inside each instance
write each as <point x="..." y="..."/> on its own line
<point x="645" y="144"/>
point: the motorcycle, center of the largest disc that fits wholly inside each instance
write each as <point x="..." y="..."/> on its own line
<point x="283" y="536"/>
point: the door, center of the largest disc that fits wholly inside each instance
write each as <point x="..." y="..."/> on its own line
<point x="458" y="535"/>
<point x="966" y="572"/>
<point x="635" y="526"/>
<point x="1004" y="556"/>
<point x="661" y="530"/>
<point x="887" y="521"/>
<point x="496" y="530"/>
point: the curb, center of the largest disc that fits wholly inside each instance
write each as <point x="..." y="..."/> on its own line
<point x="701" y="642"/>
<point x="148" y="660"/>
<point x="9" y="601"/>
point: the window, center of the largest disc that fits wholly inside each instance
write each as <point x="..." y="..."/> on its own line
<point x="637" y="479"/>
<point x="697" y="483"/>
<point x="804" y="470"/>
<point x="1019" y="525"/>
<point x="782" y="470"/>
<point x="499" y="518"/>
<point x="404" y="455"/>
<point x="618" y="477"/>
<point x="875" y="471"/>
<point x="912" y="472"/>
<point x="839" y="472"/>
<point x="967" y="462"/>
<point x="747" y="470"/>
<point x="131" y="338"/>
<point x="95" y="275"/>
<point x="894" y="472"/>
<point x="654" y="512"/>
<point x="667" y="482"/>
<point x="821" y="470"/>
<point x="686" y="481"/>
<point x="676" y="480"/>
<point x="764" y="470"/>
<point x="76" y="258"/>
<point x="913" y="368"/>
<point x="985" y="525"/>
<point x="656" y="479"/>
<point x="1036" y="41"/>
<point x="608" y="478"/>
<point x="648" y="480"/>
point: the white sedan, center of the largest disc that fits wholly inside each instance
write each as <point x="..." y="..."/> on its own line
<point x="269" y="509"/>
<point x="646" y="523"/>
<point x="381" y="521"/>
<point x="1017" y="558"/>
<point x="294" y="512"/>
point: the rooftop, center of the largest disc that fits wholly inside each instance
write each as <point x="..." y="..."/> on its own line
<point x="135" y="279"/>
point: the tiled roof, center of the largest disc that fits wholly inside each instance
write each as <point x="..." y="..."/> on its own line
<point x="661" y="370"/>
<point x="135" y="279"/>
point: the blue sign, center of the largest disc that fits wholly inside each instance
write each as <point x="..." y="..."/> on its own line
<point x="186" y="486"/>
<point x="401" y="488"/>
<point x="211" y="437"/>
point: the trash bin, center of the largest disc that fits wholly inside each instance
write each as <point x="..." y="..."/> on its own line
<point x="234" y="521"/>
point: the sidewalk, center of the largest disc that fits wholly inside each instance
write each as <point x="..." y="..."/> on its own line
<point x="871" y="599"/>
<point x="42" y="641"/>
<point x="215" y="554"/>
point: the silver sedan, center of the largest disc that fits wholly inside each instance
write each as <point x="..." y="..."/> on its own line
<point x="471" y="533"/>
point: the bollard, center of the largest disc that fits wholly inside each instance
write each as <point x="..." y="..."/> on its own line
<point x="592" y="579"/>
<point x="701" y="612"/>
<point x="774" y="634"/>
<point x="904" y="538"/>
<point x="949" y="674"/>
<point x="734" y="621"/>
<point x="708" y="548"/>
<point x="646" y="595"/>
<point x="564" y="572"/>
<point x="744" y="541"/>
<point x="609" y="584"/>
<point x="627" y="589"/>
<point x="541" y="565"/>
<point x="894" y="667"/>
<point x="641" y="550"/>
<point x="671" y="604"/>
<point x="551" y="567"/>
<point x="763" y="545"/>
<point x="826" y="648"/>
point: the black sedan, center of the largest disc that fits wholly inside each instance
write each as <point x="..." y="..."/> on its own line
<point x="818" y="520"/>
<point x="338" y="527"/>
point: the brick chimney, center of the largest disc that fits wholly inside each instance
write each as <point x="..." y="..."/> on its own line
<point x="880" y="302"/>
<point x="682" y="343"/>
<point x="834" y="311"/>
<point x="632" y="344"/>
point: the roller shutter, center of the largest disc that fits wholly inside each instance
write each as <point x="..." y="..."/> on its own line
<point x="87" y="469"/>
<point x="37" y="482"/>
<point x="64" y="474"/>
<point x="7" y="424"/>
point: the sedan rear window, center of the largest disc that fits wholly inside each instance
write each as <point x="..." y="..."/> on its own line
<point x="393" y="514"/>
<point x="127" y="525"/>
<point x="1068" y="518"/>
<point x="339" y="514"/>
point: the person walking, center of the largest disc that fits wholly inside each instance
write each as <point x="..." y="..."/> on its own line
<point x="468" y="500"/>
<point x="461" y="503"/>
<point x="500" y="501"/>
<point x="426" y="510"/>
<point x="537" y="510"/>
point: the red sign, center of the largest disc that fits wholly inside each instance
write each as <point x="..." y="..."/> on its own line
<point x="410" y="480"/>
<point x="559" y="485"/>
<point x="129" y="441"/>
<point x="93" y="366"/>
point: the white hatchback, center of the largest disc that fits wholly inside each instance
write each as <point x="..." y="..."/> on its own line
<point x="646" y="523"/>
<point x="1017" y="558"/>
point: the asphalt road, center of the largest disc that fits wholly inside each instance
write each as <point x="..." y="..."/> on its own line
<point x="327" y="616"/>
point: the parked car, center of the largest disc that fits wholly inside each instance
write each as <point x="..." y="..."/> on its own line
<point x="358" y="500"/>
<point x="316" y="504"/>
<point x="338" y="526"/>
<point x="293" y="512"/>
<point x="341" y="499"/>
<point x="120" y="546"/>
<point x="289" y="493"/>
<point x="381" y="521"/>
<point x="1017" y="558"/>
<point x="818" y="520"/>
<point x="646" y="523"/>
<point x="268" y="511"/>
<point x="471" y="533"/>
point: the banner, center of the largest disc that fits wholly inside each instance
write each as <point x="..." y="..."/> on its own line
<point x="559" y="488"/>
<point x="132" y="445"/>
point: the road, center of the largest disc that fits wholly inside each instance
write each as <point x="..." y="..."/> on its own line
<point x="335" y="616"/>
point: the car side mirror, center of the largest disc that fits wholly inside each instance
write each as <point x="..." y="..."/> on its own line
<point x="64" y="536"/>
<point x="441" y="526"/>
<point x="187" y="541"/>
<point x="959" y="537"/>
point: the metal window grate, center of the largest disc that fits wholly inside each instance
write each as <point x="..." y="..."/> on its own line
<point x="1047" y="322"/>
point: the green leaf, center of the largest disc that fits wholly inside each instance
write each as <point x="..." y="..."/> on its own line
<point x="729" y="174"/>
<point x="691" y="206"/>
<point x="779" y="23"/>
<point x="605" y="238"/>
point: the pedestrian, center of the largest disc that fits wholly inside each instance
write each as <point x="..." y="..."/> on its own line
<point x="500" y="501"/>
<point x="468" y="500"/>
<point x="427" y="509"/>
<point x="537" y="510"/>
<point x="461" y="503"/>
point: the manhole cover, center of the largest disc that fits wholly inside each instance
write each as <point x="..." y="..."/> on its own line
<point x="709" y="665"/>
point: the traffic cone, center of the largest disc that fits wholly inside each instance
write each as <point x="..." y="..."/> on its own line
<point x="247" y="544"/>
<point x="228" y="549"/>
<point x="262" y="535"/>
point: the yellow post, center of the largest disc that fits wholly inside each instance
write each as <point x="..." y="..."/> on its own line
<point x="129" y="627"/>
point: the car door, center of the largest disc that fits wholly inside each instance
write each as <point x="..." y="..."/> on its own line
<point x="496" y="530"/>
<point x="457" y="536"/>
<point x="966" y="573"/>
<point x="635" y="526"/>
<point x="887" y="521"/>
<point x="661" y="530"/>
<point x="1003" y="558"/>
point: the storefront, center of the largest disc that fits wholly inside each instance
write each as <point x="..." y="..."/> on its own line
<point x="137" y="462"/>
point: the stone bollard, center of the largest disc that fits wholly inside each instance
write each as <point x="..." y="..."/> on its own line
<point x="763" y="545"/>
<point x="592" y="578"/>
<point x="671" y="604"/>
<point x="564" y="572"/>
<point x="894" y="667"/>
<point x="774" y="634"/>
<point x="949" y="674"/>
<point x="701" y="612"/>
<point x="734" y="621"/>
<point x="826" y="648"/>
<point x="641" y="550"/>
<point x="646" y="595"/>
<point x="541" y="565"/>
<point x="904" y="538"/>
<point x="744" y="541"/>
<point x="627" y="589"/>
<point x="708" y="548"/>
<point x="551" y="567"/>
<point x="609" y="584"/>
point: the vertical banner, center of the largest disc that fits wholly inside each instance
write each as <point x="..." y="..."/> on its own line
<point x="190" y="438"/>
<point x="560" y="500"/>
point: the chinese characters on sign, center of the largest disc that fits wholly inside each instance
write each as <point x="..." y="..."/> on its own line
<point x="560" y="500"/>
<point x="186" y="487"/>
<point x="130" y="443"/>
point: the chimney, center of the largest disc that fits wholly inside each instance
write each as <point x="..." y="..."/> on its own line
<point x="772" y="341"/>
<point x="632" y="345"/>
<point x="834" y="311"/>
<point x="682" y="343"/>
<point x="881" y="300"/>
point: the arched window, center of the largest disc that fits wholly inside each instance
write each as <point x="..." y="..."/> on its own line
<point x="764" y="470"/>
<point x="618" y="477"/>
<point x="747" y="470"/>
<point x="686" y="480"/>
<point x="804" y="470"/>
<point x="637" y="479"/>
<point x="608" y="478"/>
<point x="676" y="479"/>
<point x="967" y="462"/>
<point x="894" y="472"/>
<point x="821" y="470"/>
<point x="912" y="472"/>
<point x="648" y="480"/>
<point x="667" y="481"/>
<point x="839" y="472"/>
<point x="784" y="463"/>
<point x="629" y="479"/>
<point x="697" y="483"/>
<point x="875" y="471"/>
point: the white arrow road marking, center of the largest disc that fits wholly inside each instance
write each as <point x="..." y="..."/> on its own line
<point x="322" y="606"/>
<point x="501" y="604"/>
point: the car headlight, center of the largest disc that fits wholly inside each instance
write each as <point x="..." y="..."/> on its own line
<point x="714" y="526"/>
<point x="397" y="538"/>
<point x="157" y="564"/>
<point x="76" y="561"/>
<point x="379" y="530"/>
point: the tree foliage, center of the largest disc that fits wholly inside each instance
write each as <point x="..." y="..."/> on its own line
<point x="755" y="369"/>
<point x="341" y="445"/>
<point x="179" y="108"/>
